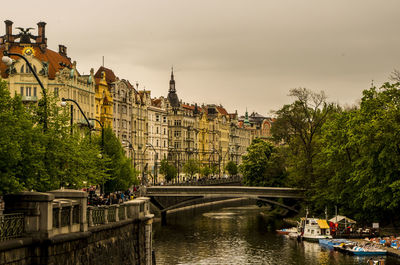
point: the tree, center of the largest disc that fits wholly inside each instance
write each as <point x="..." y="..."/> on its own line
<point x="191" y="167"/>
<point x="232" y="168"/>
<point x="263" y="165"/>
<point x="205" y="171"/>
<point x="122" y="174"/>
<point x="361" y="158"/>
<point x="169" y="171"/>
<point x="35" y="159"/>
<point x="299" y="125"/>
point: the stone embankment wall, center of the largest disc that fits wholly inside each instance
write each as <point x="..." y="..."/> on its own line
<point x="127" y="241"/>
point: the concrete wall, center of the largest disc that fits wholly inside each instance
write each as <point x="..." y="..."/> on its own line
<point x="122" y="242"/>
<point x="116" y="243"/>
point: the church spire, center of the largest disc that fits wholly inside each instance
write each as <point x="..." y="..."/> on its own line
<point x="172" y="82"/>
<point x="172" y="96"/>
<point x="246" y="118"/>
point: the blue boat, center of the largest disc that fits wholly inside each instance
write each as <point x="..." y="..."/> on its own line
<point x="331" y="243"/>
<point x="367" y="251"/>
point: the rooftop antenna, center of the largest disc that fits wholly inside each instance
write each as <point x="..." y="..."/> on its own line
<point x="372" y="83"/>
<point x="103" y="60"/>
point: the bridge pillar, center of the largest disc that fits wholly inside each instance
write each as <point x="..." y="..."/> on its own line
<point x="164" y="218"/>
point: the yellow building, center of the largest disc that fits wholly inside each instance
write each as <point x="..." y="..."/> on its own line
<point x="104" y="100"/>
<point x="203" y="138"/>
<point x="58" y="74"/>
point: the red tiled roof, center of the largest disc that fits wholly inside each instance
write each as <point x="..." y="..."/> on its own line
<point x="187" y="107"/>
<point x="110" y="76"/>
<point x="53" y="58"/>
<point x="156" y="102"/>
<point x="222" y="110"/>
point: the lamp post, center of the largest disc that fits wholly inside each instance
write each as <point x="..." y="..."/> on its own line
<point x="102" y="128"/>
<point x="64" y="103"/>
<point x="133" y="155"/>
<point x="155" y="161"/>
<point x="8" y="61"/>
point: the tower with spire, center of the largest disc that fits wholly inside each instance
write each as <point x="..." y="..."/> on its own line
<point x="246" y="119"/>
<point x="172" y="96"/>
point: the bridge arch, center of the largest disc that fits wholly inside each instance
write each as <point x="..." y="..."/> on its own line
<point x="166" y="198"/>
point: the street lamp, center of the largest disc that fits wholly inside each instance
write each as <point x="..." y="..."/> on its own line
<point x="133" y="155"/>
<point x="155" y="161"/>
<point x="64" y="103"/>
<point x="102" y="129"/>
<point x="7" y="60"/>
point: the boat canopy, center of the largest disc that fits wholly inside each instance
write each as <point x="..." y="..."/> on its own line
<point x="322" y="224"/>
<point x="342" y="219"/>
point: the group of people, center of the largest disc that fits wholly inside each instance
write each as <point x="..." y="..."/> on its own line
<point x="95" y="199"/>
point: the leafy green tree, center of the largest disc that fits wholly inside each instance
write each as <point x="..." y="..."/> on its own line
<point x="232" y="168"/>
<point x="32" y="158"/>
<point x="205" y="171"/>
<point x="299" y="126"/>
<point x="262" y="165"/>
<point x="121" y="172"/>
<point x="191" y="167"/>
<point x="214" y="169"/>
<point x="361" y="158"/>
<point x="169" y="171"/>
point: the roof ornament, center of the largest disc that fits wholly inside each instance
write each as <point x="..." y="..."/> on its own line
<point x="25" y="36"/>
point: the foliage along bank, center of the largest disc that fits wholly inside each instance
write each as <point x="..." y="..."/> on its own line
<point x="32" y="158"/>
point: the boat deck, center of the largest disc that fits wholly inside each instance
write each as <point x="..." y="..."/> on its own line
<point x="390" y="251"/>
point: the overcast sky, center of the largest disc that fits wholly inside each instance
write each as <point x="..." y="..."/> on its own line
<point x="238" y="53"/>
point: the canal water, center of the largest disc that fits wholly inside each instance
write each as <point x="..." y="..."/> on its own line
<point x="236" y="235"/>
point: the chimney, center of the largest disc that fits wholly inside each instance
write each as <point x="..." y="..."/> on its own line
<point x="41" y="33"/>
<point x="9" y="36"/>
<point x="62" y="50"/>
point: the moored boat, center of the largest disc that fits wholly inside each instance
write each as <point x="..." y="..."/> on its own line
<point x="367" y="251"/>
<point x="331" y="243"/>
<point x="286" y="231"/>
<point x="313" y="229"/>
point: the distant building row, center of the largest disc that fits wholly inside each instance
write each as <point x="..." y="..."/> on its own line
<point x="151" y="129"/>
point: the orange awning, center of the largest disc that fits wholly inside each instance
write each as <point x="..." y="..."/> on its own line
<point x="323" y="224"/>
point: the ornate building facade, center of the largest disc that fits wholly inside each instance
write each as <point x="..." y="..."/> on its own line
<point x="58" y="74"/>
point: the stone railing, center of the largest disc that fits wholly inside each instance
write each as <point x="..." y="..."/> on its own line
<point x="44" y="215"/>
<point x="11" y="226"/>
<point x="104" y="214"/>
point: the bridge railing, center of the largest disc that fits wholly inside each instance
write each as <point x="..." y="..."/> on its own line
<point x="45" y="215"/>
<point x="208" y="182"/>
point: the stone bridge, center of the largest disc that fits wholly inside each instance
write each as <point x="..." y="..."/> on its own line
<point x="166" y="198"/>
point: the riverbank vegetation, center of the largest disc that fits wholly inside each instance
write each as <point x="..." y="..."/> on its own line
<point x="33" y="157"/>
<point x="347" y="157"/>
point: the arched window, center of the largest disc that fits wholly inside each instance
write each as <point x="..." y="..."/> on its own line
<point x="22" y="69"/>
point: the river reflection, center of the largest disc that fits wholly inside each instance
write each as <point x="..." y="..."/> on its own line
<point x="236" y="235"/>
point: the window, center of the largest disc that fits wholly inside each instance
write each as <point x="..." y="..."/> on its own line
<point x="56" y="91"/>
<point x="164" y="119"/>
<point x="157" y="143"/>
<point x="34" y="91"/>
<point x="157" y="130"/>
<point x="165" y="143"/>
<point x="22" y="69"/>
<point x="28" y="91"/>
<point x="165" y="131"/>
<point x="157" y="117"/>
<point x="22" y="91"/>
<point x="177" y="133"/>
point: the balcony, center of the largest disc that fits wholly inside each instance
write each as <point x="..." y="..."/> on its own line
<point x="29" y="98"/>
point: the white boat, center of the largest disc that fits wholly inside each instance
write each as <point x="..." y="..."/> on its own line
<point x="313" y="229"/>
